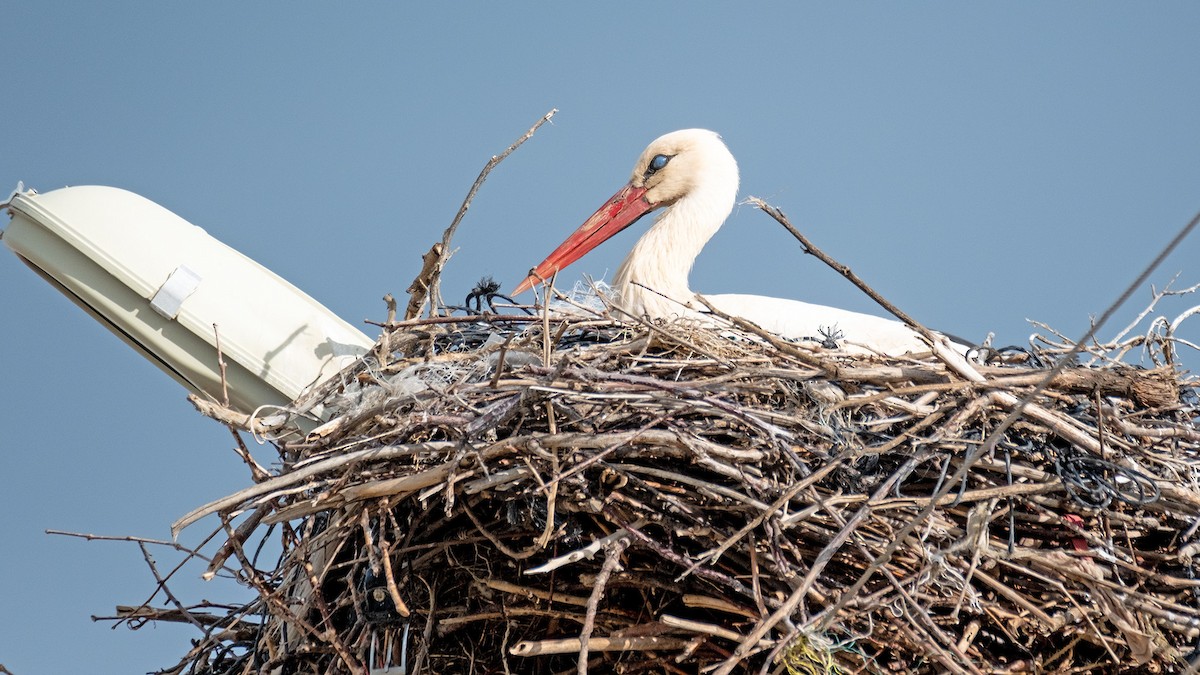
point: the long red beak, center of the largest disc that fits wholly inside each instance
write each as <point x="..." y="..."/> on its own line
<point x="618" y="213"/>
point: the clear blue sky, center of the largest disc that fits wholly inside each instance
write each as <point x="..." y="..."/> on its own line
<point x="978" y="165"/>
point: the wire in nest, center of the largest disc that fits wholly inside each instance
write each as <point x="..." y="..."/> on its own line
<point x="1094" y="483"/>
<point x="488" y="289"/>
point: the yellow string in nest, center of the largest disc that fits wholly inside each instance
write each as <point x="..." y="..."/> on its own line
<point x="809" y="656"/>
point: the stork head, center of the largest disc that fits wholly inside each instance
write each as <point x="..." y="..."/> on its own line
<point x="690" y="163"/>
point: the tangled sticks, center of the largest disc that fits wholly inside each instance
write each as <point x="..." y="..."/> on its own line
<point x="673" y="498"/>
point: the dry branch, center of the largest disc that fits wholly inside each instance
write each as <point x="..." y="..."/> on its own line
<point x="425" y="288"/>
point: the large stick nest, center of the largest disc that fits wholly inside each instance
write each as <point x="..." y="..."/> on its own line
<point x="493" y="494"/>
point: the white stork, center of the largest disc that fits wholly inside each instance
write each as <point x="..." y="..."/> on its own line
<point x="692" y="176"/>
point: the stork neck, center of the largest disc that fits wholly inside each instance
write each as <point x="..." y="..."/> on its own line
<point x="661" y="260"/>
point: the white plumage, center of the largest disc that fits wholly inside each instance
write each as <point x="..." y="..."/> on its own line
<point x="692" y="176"/>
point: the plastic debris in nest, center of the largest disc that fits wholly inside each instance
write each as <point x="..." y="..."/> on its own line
<point x="585" y="298"/>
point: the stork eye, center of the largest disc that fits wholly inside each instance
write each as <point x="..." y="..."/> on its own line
<point x="657" y="164"/>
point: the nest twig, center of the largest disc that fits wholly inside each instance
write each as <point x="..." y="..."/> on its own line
<point x="425" y="288"/>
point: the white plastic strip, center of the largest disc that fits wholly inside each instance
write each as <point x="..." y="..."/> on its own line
<point x="170" y="296"/>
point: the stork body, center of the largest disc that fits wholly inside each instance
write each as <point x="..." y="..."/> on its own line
<point x="692" y="176"/>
